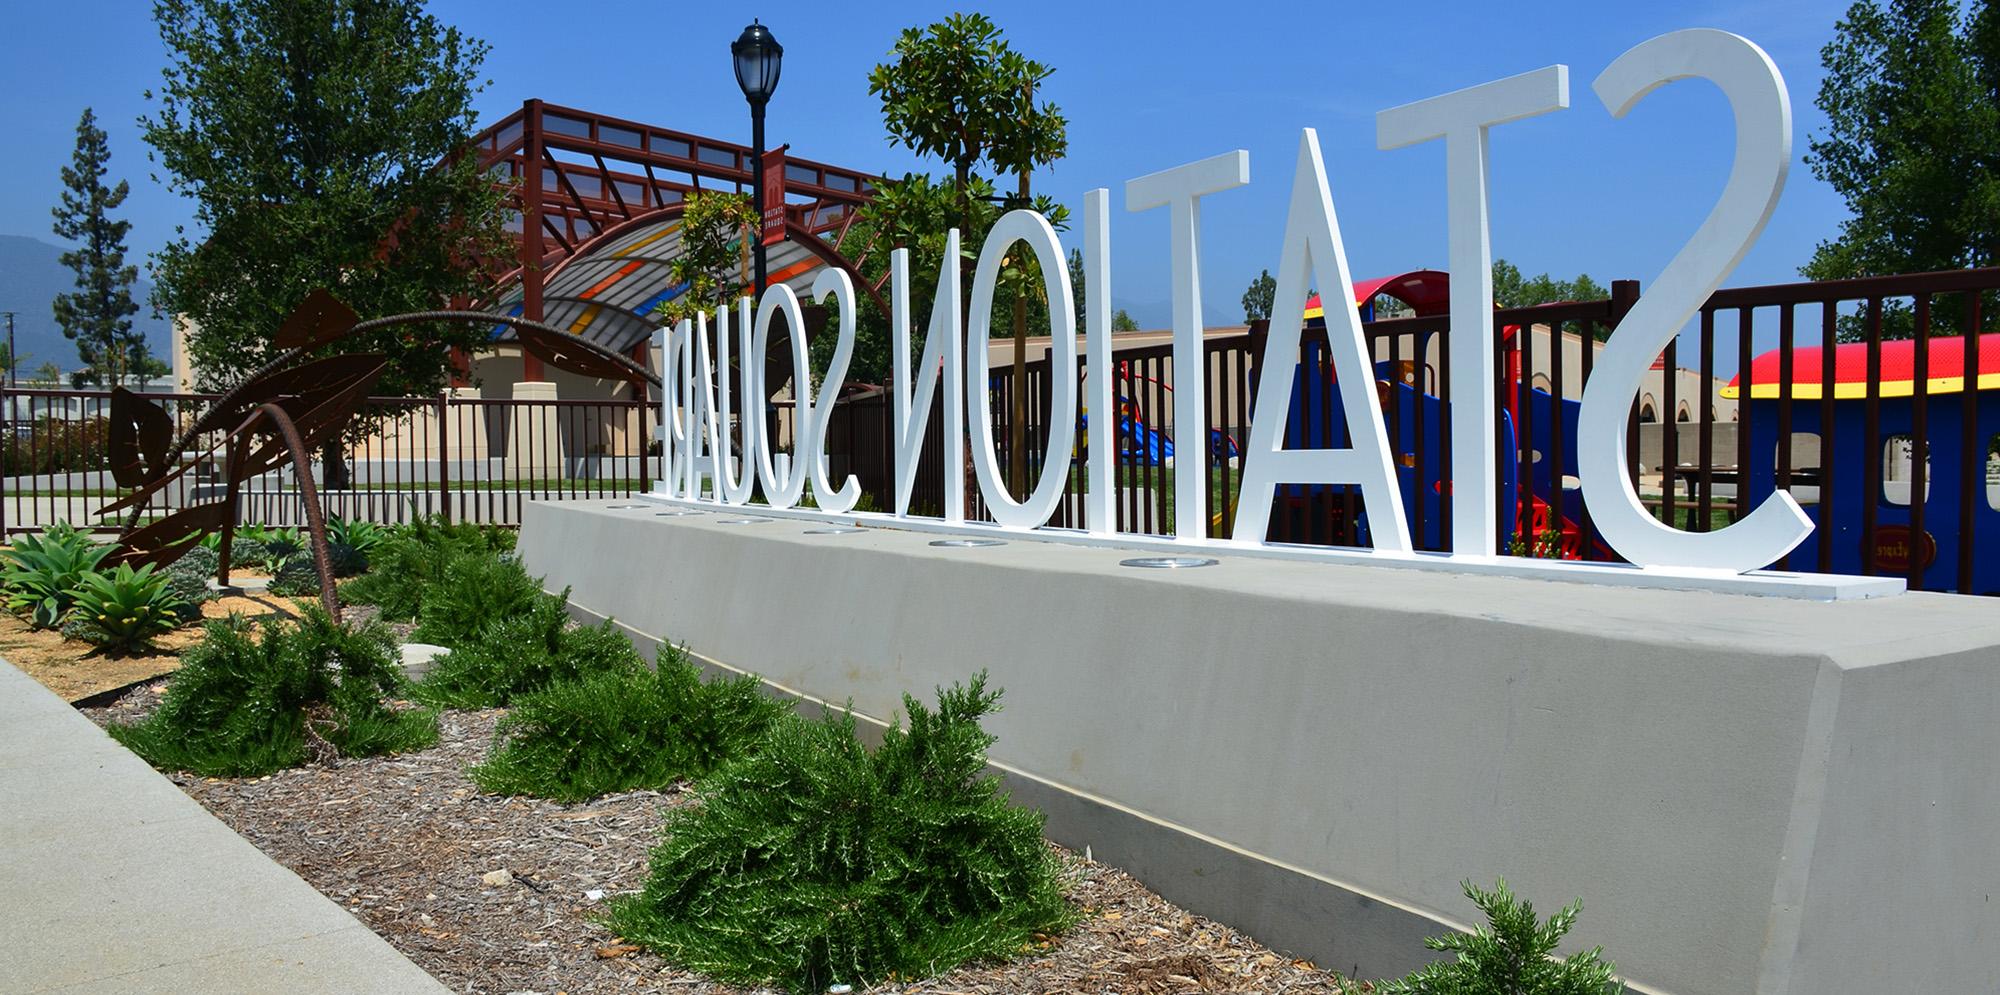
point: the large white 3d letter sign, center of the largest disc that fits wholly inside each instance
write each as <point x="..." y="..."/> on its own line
<point x="1763" y="114"/>
<point x="1032" y="228"/>
<point x="1180" y="190"/>
<point x="1461" y="119"/>
<point x="704" y="409"/>
<point x="1313" y="255"/>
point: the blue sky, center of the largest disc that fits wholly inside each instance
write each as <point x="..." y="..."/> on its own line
<point x="1574" y="192"/>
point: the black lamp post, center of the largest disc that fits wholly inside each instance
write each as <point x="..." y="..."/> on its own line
<point x="758" y="58"/>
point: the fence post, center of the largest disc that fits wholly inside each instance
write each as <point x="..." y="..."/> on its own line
<point x="7" y="402"/>
<point x="444" y="454"/>
<point x="639" y="387"/>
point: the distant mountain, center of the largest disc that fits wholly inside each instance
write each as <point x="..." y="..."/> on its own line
<point x="31" y="275"/>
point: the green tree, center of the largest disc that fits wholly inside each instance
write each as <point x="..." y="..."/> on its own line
<point x="147" y="367"/>
<point x="715" y="226"/>
<point x="958" y="91"/>
<point x="1512" y="290"/>
<point x="324" y="143"/>
<point x="97" y="316"/>
<point x="1122" y="322"/>
<point x="1258" y="300"/>
<point x="1912" y="102"/>
<point x="1076" y="284"/>
<point x="49" y="375"/>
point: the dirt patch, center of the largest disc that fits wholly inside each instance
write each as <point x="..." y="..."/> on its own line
<point x="496" y="895"/>
<point x="77" y="670"/>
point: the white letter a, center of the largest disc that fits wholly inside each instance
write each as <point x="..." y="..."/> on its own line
<point x="1313" y="254"/>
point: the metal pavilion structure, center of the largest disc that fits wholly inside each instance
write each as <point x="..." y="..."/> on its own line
<point x="598" y="202"/>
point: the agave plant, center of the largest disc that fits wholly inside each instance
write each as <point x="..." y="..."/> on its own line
<point x="281" y="546"/>
<point x="42" y="573"/>
<point x="124" y="609"/>
<point x="362" y="536"/>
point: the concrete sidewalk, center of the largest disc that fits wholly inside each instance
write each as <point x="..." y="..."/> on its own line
<point x="113" y="880"/>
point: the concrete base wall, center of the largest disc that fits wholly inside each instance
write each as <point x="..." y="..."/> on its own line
<point x="1749" y="794"/>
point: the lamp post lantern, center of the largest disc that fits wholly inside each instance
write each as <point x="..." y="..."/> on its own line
<point x="758" y="58"/>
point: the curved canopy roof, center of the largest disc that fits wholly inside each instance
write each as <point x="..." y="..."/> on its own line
<point x="608" y="290"/>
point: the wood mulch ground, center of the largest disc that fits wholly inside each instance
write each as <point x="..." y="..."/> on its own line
<point x="500" y="895"/>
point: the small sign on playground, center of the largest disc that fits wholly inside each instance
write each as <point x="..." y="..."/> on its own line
<point x="699" y="407"/>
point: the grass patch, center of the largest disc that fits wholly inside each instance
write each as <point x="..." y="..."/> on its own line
<point x="622" y="728"/>
<point x="816" y="862"/>
<point x="251" y="700"/>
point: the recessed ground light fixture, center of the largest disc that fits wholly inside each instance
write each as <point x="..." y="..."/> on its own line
<point x="1167" y="562"/>
<point x="960" y="543"/>
<point x="628" y="507"/>
<point x="742" y="521"/>
<point x="836" y="531"/>
<point x="678" y="514"/>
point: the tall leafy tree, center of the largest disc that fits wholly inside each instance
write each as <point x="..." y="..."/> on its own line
<point x="324" y="143"/>
<point x="1259" y="297"/>
<point x="97" y="316"/>
<point x="715" y="226"/>
<point x="1912" y="102"/>
<point x="959" y="91"/>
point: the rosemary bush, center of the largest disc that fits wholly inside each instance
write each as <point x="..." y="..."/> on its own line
<point x="523" y="650"/>
<point x="474" y="590"/>
<point x="623" y="728"/>
<point x="411" y="560"/>
<point x="815" y="862"/>
<point x="1512" y="955"/>
<point x="248" y="702"/>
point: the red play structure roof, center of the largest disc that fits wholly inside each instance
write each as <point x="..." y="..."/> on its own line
<point x="1850" y="369"/>
<point x="1426" y="291"/>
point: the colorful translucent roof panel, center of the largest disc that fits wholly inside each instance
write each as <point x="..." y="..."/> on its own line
<point x="608" y="291"/>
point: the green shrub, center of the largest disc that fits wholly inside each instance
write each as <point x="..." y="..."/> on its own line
<point x="188" y="577"/>
<point x="296" y="578"/>
<point x="42" y="573"/>
<point x="814" y="862"/>
<point x="281" y="546"/>
<point x="408" y="562"/>
<point x="474" y="589"/>
<point x="124" y="609"/>
<point x="246" y="703"/>
<point x="624" y="728"/>
<point x="363" y="536"/>
<point x="245" y="553"/>
<point x="522" y="651"/>
<point x="1511" y="956"/>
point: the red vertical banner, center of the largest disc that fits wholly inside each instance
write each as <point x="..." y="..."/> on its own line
<point x="774" y="195"/>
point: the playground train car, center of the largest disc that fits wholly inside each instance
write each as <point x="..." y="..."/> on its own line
<point x="1833" y="467"/>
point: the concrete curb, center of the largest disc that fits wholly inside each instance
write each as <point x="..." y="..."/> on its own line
<point x="114" y="880"/>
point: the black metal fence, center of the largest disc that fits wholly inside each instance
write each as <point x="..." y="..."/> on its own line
<point x="466" y="458"/>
